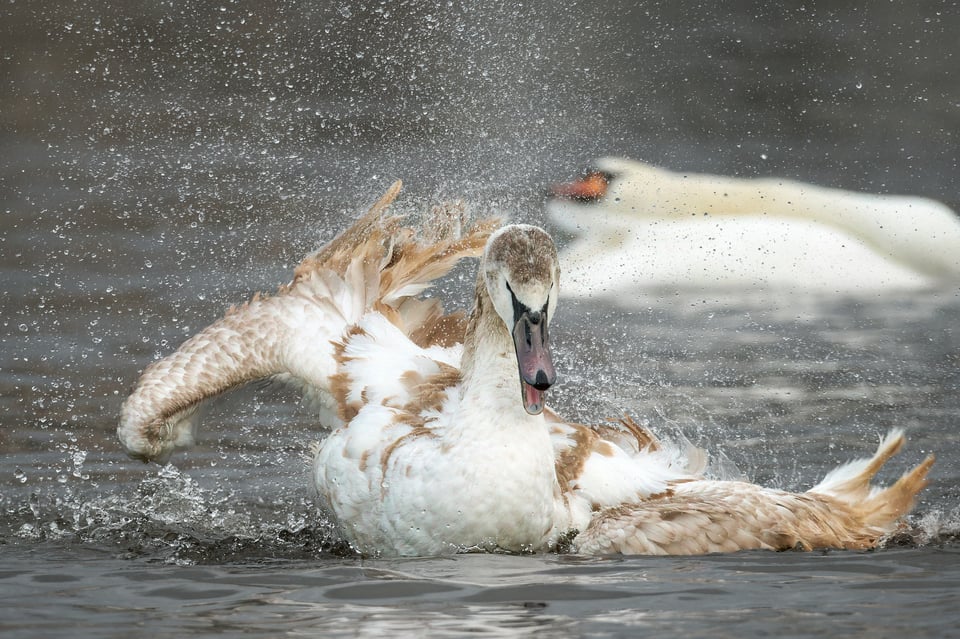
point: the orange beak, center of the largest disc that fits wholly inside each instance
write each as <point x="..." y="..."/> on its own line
<point x="591" y="187"/>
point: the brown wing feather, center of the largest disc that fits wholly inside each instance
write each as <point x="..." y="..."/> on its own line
<point x="720" y="516"/>
<point x="375" y="264"/>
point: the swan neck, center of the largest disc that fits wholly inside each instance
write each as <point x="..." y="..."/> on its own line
<point x="491" y="381"/>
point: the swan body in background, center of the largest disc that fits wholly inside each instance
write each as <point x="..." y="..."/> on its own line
<point x="440" y="438"/>
<point x="637" y="227"/>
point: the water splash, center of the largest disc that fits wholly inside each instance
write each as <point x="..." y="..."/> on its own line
<point x="170" y="517"/>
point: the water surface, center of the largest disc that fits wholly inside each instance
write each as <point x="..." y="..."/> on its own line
<point x="161" y="162"/>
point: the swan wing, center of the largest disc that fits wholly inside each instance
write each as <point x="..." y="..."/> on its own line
<point x="704" y="516"/>
<point x="375" y="265"/>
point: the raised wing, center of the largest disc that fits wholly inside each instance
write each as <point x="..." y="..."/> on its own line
<point x="376" y="264"/>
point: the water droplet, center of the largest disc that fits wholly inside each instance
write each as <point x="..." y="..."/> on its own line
<point x="20" y="475"/>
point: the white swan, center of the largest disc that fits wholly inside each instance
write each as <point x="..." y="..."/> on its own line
<point x="441" y="441"/>
<point x="638" y="228"/>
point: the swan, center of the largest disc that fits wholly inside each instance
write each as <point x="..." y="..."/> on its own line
<point x="638" y="227"/>
<point x="440" y="439"/>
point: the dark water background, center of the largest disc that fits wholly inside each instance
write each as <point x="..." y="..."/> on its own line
<point x="160" y="161"/>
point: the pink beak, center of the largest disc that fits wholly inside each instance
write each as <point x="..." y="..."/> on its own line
<point x="533" y="358"/>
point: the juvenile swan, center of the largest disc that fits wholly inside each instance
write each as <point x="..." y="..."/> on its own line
<point x="441" y="439"/>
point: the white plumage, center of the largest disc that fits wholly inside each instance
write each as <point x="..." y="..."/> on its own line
<point x="638" y="229"/>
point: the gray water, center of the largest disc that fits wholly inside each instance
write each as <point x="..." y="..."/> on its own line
<point x="161" y="161"/>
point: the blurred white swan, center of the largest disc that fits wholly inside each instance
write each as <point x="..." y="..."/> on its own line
<point x="440" y="439"/>
<point x="638" y="228"/>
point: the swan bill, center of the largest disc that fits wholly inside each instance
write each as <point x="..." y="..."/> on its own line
<point x="534" y="360"/>
<point x="591" y="187"/>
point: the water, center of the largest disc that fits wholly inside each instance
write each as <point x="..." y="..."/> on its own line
<point x="161" y="162"/>
<point x="716" y="596"/>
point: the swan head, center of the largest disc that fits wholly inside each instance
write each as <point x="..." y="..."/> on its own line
<point x="521" y="273"/>
<point x="591" y="186"/>
<point x="620" y="185"/>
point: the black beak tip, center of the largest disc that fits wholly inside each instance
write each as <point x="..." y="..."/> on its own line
<point x="542" y="383"/>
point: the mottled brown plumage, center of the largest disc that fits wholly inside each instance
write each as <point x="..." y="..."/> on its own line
<point x="721" y="516"/>
<point x="376" y="264"/>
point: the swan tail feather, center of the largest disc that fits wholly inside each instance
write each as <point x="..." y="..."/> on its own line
<point x="702" y="516"/>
